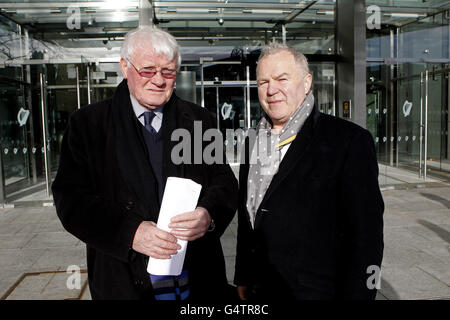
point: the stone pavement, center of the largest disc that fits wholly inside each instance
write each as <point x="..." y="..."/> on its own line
<point x="35" y="251"/>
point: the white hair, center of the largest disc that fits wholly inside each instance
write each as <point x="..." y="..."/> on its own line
<point x="275" y="47"/>
<point x="161" y="41"/>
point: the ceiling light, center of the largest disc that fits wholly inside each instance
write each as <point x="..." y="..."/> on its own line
<point x="325" y="12"/>
<point x="264" y="11"/>
<point x="33" y="11"/>
<point x="404" y="15"/>
<point x="192" y="10"/>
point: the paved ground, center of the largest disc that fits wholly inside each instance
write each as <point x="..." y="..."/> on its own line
<point x="35" y="251"/>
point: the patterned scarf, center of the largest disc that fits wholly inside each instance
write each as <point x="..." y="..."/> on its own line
<point x="268" y="151"/>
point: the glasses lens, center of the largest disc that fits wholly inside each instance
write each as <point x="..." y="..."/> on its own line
<point x="168" y="73"/>
<point x="150" y="72"/>
<point x="147" y="74"/>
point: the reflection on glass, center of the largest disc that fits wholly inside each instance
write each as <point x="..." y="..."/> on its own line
<point x="13" y="135"/>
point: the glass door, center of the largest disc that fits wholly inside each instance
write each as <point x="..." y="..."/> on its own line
<point x="228" y="90"/>
<point x="422" y="140"/>
<point x="33" y="118"/>
<point x="422" y="94"/>
<point x="14" y="134"/>
<point x="437" y="118"/>
<point x="409" y="138"/>
<point x="68" y="88"/>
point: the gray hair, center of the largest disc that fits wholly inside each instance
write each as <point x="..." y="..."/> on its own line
<point x="162" y="42"/>
<point x="275" y="47"/>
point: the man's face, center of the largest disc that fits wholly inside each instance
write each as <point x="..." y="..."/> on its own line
<point x="282" y="87"/>
<point x="152" y="92"/>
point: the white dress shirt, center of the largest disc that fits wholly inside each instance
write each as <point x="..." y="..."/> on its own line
<point x="140" y="110"/>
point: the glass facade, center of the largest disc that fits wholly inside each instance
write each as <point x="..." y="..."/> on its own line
<point x="408" y="91"/>
<point x="75" y="48"/>
<point x="14" y="117"/>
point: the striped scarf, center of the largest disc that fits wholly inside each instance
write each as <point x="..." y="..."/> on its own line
<point x="171" y="287"/>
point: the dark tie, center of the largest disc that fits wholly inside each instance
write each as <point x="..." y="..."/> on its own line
<point x="148" y="117"/>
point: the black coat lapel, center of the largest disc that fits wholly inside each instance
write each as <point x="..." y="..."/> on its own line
<point x="132" y="157"/>
<point x="169" y="124"/>
<point x="177" y="115"/>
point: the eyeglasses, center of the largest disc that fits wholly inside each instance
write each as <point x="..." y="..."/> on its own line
<point x="149" y="72"/>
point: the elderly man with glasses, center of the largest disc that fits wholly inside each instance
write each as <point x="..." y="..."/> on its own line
<point x="115" y="160"/>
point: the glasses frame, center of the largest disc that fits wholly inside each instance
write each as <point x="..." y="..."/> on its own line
<point x="145" y="74"/>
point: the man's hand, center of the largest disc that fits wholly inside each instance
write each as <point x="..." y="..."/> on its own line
<point x="154" y="242"/>
<point x="190" y="225"/>
<point x="242" y="292"/>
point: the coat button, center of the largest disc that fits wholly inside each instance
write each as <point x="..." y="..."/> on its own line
<point x="138" y="283"/>
<point x="129" y="205"/>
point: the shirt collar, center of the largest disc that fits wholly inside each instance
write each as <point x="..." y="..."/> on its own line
<point x="139" y="109"/>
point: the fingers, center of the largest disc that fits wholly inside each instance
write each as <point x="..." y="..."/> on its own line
<point x="242" y="292"/>
<point x="199" y="214"/>
<point x="154" y="251"/>
<point x="154" y="242"/>
<point x="198" y="218"/>
<point x="167" y="245"/>
<point x="187" y="224"/>
<point x="187" y="216"/>
<point x="165" y="236"/>
<point x="192" y="225"/>
<point x="188" y="235"/>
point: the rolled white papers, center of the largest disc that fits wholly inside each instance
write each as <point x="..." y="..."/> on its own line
<point x="180" y="196"/>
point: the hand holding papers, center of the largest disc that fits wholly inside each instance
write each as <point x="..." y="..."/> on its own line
<point x="180" y="195"/>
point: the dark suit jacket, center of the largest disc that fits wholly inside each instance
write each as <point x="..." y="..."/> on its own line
<point x="320" y="223"/>
<point x="105" y="188"/>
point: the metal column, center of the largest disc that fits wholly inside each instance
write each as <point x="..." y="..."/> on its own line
<point x="30" y="107"/>
<point x="426" y="128"/>
<point x="351" y="67"/>
<point x="45" y="141"/>
<point x="391" y="114"/>
<point x="248" y="97"/>
<point x="145" y="13"/>
<point x="202" y="77"/>
<point x="218" y="107"/>
<point x="202" y="88"/>
<point x="421" y="125"/>
<point x="2" y="178"/>
<point x="78" y="88"/>
<point x="88" y="85"/>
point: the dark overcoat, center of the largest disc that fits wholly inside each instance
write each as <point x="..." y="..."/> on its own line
<point x="319" y="227"/>
<point x="105" y="187"/>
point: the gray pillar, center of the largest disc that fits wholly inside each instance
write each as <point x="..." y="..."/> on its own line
<point x="351" y="67"/>
<point x="31" y="156"/>
<point x="145" y="13"/>
<point x="2" y="179"/>
<point x="185" y="86"/>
